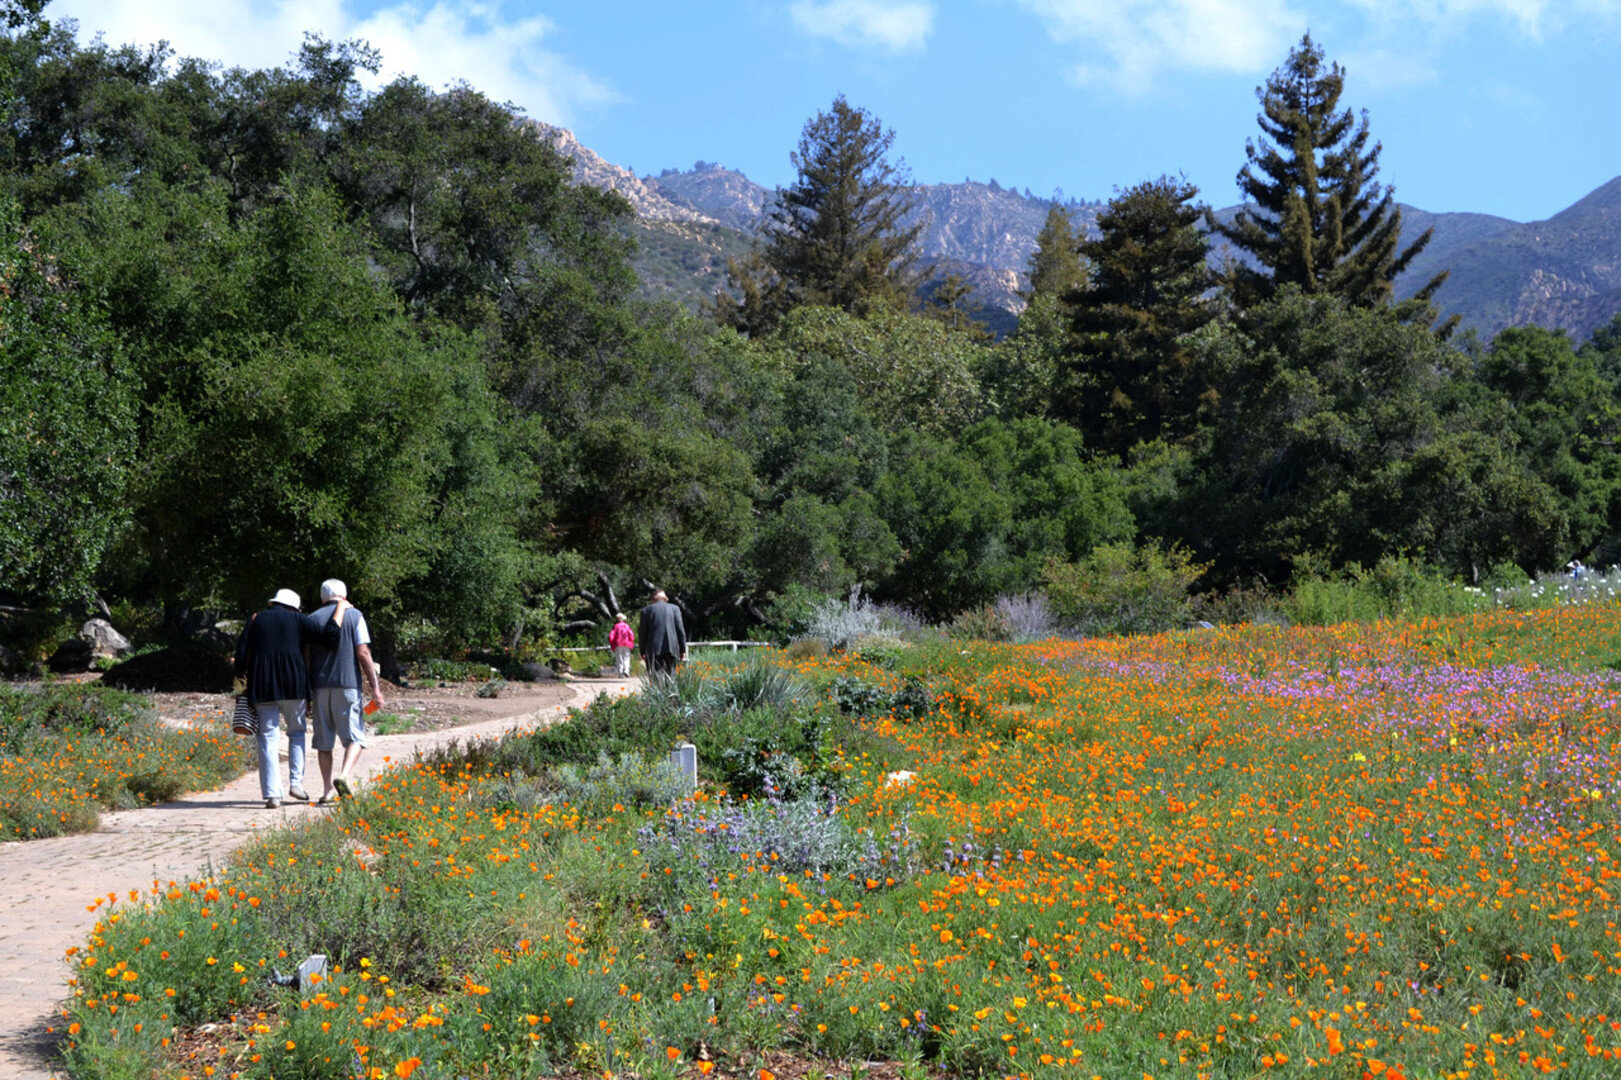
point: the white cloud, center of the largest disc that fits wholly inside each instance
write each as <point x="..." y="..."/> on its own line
<point x="469" y="41"/>
<point x="881" y="24"/>
<point x="1533" y="17"/>
<point x="1130" y="43"/>
<point x="440" y="42"/>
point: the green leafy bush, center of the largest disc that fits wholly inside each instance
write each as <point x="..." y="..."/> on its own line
<point x="1396" y="587"/>
<point x="1121" y="589"/>
<point x="751" y="724"/>
<point x="37" y="718"/>
<point x="856" y="698"/>
<point x="983" y="623"/>
<point x="629" y="781"/>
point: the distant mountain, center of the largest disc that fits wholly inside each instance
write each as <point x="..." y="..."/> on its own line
<point x="982" y="232"/>
<point x="1563" y="272"/>
<point x="987" y="224"/>
<point x="590" y="168"/>
<point x="727" y="196"/>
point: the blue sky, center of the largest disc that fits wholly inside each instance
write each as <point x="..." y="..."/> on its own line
<point x="1507" y="107"/>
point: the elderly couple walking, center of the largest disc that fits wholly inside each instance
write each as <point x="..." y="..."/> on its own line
<point x="325" y="658"/>
<point x="663" y="636"/>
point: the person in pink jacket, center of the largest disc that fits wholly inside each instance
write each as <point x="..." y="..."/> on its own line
<point x="622" y="639"/>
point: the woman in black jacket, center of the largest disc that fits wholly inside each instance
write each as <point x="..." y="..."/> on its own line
<point x="271" y="652"/>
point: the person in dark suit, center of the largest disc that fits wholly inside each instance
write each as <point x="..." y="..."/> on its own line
<point x="663" y="636"/>
<point x="271" y="653"/>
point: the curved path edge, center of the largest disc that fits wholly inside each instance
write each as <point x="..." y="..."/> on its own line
<point x="49" y="888"/>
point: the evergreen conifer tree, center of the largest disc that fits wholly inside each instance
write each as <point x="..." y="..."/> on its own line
<point x="837" y="236"/>
<point x="1321" y="220"/>
<point x="1055" y="267"/>
<point x="1128" y="375"/>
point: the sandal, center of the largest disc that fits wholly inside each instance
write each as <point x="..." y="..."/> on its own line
<point x="343" y="787"/>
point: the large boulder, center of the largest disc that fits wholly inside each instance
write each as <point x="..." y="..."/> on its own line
<point x="181" y="669"/>
<point x="105" y="642"/>
<point x="96" y="640"/>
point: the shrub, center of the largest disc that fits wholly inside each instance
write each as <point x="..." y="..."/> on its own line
<point x="754" y="709"/>
<point x="1253" y="603"/>
<point x="855" y="698"/>
<point x="1120" y="589"/>
<point x="1028" y="617"/>
<point x="452" y="671"/>
<point x="882" y="652"/>
<point x="492" y="689"/>
<point x="68" y="750"/>
<point x="181" y="669"/>
<point x="983" y="623"/>
<point x="768" y="753"/>
<point x="837" y="623"/>
<point x="807" y="649"/>
<point x="756" y="685"/>
<point x="630" y="781"/>
<point x="1397" y="586"/>
<point x="788" y="615"/>
<point x="778" y="836"/>
<point x="35" y="718"/>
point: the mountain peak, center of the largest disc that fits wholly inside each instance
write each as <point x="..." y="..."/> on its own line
<point x="1602" y="200"/>
<point x="591" y="169"/>
<point x="725" y="195"/>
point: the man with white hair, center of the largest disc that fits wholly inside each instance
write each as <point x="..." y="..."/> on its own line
<point x="663" y="636"/>
<point x="336" y="677"/>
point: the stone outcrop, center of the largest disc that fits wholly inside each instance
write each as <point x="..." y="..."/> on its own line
<point x="591" y="169"/>
<point x="96" y="640"/>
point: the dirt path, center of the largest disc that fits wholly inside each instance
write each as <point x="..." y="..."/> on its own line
<point x="48" y="887"/>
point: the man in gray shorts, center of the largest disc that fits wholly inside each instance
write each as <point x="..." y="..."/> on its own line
<point x="336" y="676"/>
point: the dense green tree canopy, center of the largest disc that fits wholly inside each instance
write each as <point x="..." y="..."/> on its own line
<point x="1329" y="414"/>
<point x="981" y="517"/>
<point x="1129" y="373"/>
<point x="286" y="325"/>
<point x="67" y="417"/>
<point x="914" y="373"/>
<point x="297" y="425"/>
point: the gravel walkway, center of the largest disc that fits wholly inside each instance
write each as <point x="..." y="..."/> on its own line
<point x="48" y="888"/>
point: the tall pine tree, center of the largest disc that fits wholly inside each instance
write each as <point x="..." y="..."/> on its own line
<point x="837" y="236"/>
<point x="1055" y="265"/>
<point x="1321" y="220"/>
<point x="1128" y="375"/>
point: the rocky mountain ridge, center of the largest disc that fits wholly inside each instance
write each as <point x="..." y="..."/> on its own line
<point x="1564" y="272"/>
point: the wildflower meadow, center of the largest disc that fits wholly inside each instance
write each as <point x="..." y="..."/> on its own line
<point x="1377" y="850"/>
<point x="68" y="750"/>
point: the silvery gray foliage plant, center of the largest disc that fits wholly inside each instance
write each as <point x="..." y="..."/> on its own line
<point x="838" y="623"/>
<point x="776" y="836"/>
<point x="1027" y="616"/>
<point x="631" y="781"/>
